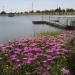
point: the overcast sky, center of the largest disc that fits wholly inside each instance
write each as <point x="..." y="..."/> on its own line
<point x="26" y="5"/>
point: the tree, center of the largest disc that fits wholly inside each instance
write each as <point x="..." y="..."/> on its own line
<point x="70" y="10"/>
<point x="58" y="10"/>
<point x="38" y="11"/>
<point x="3" y="13"/>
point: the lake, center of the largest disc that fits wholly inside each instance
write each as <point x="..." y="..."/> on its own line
<point x="19" y="27"/>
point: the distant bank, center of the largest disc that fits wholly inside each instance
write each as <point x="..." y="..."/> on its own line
<point x="34" y="13"/>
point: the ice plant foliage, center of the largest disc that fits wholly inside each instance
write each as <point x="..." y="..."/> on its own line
<point x="41" y="52"/>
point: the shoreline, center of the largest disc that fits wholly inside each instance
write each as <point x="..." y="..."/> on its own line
<point x="50" y="14"/>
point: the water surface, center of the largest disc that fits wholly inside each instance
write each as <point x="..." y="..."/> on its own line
<point x="19" y="27"/>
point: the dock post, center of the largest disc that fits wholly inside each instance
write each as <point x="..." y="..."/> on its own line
<point x="71" y="22"/>
<point x="42" y="16"/>
<point x="67" y="21"/>
<point x="49" y="18"/>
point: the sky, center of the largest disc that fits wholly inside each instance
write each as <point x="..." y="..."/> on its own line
<point x="26" y="5"/>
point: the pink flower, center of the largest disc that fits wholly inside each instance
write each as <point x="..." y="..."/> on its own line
<point x="50" y="51"/>
<point x="1" y="58"/>
<point x="56" y="57"/>
<point x="17" y="66"/>
<point x="65" y="71"/>
<point x="28" y="62"/>
<point x="49" y="57"/>
<point x="17" y="60"/>
<point x="14" y="58"/>
<point x="33" y="45"/>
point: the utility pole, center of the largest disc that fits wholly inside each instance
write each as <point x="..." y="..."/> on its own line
<point x="32" y="7"/>
<point x="3" y="7"/>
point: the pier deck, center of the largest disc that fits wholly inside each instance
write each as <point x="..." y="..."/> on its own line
<point x="54" y="24"/>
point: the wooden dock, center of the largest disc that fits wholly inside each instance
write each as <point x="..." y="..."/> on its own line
<point x="54" y="24"/>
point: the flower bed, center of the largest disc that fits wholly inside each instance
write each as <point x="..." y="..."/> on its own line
<point x="37" y="56"/>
